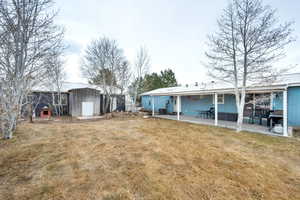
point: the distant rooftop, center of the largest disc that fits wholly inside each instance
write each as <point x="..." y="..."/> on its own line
<point x="66" y="86"/>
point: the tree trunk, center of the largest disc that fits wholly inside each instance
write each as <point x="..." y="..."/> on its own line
<point x="135" y="96"/>
<point x="9" y="124"/>
<point x="107" y="103"/>
<point x="134" y="102"/>
<point x="30" y="113"/>
<point x="240" y="108"/>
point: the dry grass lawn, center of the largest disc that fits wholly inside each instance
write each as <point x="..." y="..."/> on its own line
<point x="146" y="159"/>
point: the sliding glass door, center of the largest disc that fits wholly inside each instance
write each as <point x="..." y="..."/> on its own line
<point x="257" y="107"/>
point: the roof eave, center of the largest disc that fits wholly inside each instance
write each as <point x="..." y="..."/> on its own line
<point x="211" y="91"/>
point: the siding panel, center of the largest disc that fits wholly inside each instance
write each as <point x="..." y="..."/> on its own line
<point x="294" y="106"/>
<point x="189" y="106"/>
<point x="159" y="102"/>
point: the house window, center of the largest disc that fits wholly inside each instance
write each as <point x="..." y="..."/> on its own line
<point x="64" y="99"/>
<point x="220" y="99"/>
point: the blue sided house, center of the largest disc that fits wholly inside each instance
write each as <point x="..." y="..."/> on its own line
<point x="272" y="108"/>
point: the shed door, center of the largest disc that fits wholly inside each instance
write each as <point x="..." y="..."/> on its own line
<point x="114" y="104"/>
<point x="87" y="108"/>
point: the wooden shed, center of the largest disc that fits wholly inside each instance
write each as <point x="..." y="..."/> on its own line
<point x="85" y="102"/>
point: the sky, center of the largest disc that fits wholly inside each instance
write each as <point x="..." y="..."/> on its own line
<point x="173" y="31"/>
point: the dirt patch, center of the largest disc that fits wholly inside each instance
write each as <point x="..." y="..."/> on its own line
<point x="134" y="158"/>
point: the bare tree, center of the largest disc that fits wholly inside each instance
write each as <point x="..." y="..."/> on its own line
<point x="248" y="42"/>
<point x="101" y="66"/>
<point x="124" y="75"/>
<point x="27" y="34"/>
<point x="55" y="78"/>
<point x="141" y="68"/>
<point x="32" y="102"/>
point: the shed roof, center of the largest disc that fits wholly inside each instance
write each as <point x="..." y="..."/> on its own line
<point x="223" y="87"/>
<point x="66" y="86"/>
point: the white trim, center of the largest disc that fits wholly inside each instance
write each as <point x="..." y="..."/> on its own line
<point x="285" y="113"/>
<point x="212" y="91"/>
<point x="178" y="107"/>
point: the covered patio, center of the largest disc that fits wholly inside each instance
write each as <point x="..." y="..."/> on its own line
<point x="221" y="106"/>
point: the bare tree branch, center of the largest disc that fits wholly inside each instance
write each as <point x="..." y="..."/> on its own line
<point x="141" y="68"/>
<point x="248" y="42"/>
<point x="102" y="65"/>
<point x="27" y="36"/>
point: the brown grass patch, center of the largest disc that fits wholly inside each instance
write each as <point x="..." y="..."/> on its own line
<point x="146" y="159"/>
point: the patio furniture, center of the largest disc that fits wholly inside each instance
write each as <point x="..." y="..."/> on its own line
<point x="232" y="117"/>
<point x="206" y="114"/>
<point x="259" y="115"/>
<point x="175" y="113"/>
<point x="211" y="113"/>
<point x="162" y="111"/>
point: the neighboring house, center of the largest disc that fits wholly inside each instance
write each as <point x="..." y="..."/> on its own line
<point x="78" y="99"/>
<point x="267" y="105"/>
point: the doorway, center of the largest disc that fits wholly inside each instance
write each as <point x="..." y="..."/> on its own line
<point x="87" y="108"/>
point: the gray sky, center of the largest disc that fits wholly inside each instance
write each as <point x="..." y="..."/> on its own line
<point x="174" y="31"/>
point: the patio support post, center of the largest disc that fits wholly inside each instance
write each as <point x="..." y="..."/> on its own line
<point x="285" y="114"/>
<point x="152" y="106"/>
<point x="178" y="107"/>
<point x="216" y="109"/>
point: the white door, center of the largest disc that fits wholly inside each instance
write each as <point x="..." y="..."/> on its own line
<point x="114" y="105"/>
<point x="87" y="108"/>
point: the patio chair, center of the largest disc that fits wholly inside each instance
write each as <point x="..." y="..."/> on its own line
<point x="211" y="113"/>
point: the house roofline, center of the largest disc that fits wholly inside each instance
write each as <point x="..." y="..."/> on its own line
<point x="273" y="88"/>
